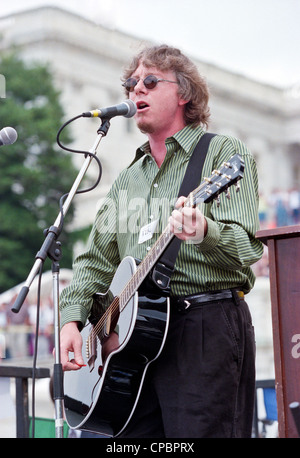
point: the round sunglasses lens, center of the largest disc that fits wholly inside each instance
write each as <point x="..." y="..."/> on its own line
<point x="150" y="81"/>
<point x="130" y="84"/>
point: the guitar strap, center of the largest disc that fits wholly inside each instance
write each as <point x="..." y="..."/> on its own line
<point x="163" y="270"/>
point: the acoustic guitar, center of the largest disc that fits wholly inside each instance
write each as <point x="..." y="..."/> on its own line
<point x="102" y="396"/>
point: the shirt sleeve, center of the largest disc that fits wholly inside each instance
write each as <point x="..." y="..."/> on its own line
<point x="230" y="241"/>
<point x="93" y="270"/>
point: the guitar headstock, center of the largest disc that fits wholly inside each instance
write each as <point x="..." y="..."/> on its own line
<point x="230" y="173"/>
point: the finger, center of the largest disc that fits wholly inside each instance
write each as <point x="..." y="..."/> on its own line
<point x="190" y="220"/>
<point x="72" y="366"/>
<point x="180" y="202"/>
<point x="196" y="226"/>
<point x="177" y="217"/>
<point x="78" y="359"/>
<point x="76" y="362"/>
<point x="72" y="363"/>
<point x="176" y="222"/>
<point x="66" y="364"/>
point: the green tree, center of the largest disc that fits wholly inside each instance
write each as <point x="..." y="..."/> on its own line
<point x="35" y="173"/>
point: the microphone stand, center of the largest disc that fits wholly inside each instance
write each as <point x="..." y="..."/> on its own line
<point x="52" y="248"/>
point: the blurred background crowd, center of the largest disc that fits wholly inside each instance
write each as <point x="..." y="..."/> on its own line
<point x="282" y="208"/>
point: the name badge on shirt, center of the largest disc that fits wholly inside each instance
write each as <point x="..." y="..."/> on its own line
<point x="147" y="231"/>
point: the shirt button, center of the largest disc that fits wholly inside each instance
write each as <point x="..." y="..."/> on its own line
<point x="155" y="185"/>
<point x="148" y="248"/>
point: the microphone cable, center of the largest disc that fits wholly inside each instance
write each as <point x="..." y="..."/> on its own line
<point x="85" y="153"/>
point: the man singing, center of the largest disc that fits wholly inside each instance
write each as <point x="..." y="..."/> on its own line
<point x="202" y="384"/>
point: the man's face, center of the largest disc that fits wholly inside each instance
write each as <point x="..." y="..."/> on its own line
<point x="159" y="110"/>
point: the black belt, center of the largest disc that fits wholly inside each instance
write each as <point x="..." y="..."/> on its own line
<point x="182" y="304"/>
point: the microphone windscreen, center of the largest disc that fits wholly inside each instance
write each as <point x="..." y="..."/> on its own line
<point x="132" y="108"/>
<point x="8" y="136"/>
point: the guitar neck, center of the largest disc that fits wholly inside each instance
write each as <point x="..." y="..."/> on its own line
<point x="145" y="267"/>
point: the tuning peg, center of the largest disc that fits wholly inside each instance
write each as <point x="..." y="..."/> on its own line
<point x="237" y="186"/>
<point x="218" y="200"/>
<point x="217" y="172"/>
<point x="227" y="193"/>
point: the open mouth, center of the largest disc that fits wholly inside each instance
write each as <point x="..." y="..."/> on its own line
<point x="142" y="105"/>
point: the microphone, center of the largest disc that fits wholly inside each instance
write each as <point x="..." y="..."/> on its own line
<point x="8" y="136"/>
<point x="127" y="109"/>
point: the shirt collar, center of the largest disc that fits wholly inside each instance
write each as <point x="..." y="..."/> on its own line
<point x="186" y="138"/>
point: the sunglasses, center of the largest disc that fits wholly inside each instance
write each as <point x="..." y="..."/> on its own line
<point x="150" y="82"/>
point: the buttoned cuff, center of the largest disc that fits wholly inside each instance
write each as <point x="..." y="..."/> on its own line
<point x="212" y="237"/>
<point x="77" y="313"/>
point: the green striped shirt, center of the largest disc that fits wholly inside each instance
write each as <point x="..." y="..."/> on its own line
<point x="144" y="194"/>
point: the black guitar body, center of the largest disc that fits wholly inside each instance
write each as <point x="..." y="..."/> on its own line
<point x="103" y="399"/>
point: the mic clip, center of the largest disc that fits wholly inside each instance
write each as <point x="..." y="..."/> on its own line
<point x="104" y="128"/>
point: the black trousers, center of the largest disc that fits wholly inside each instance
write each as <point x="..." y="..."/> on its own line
<point x="203" y="383"/>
